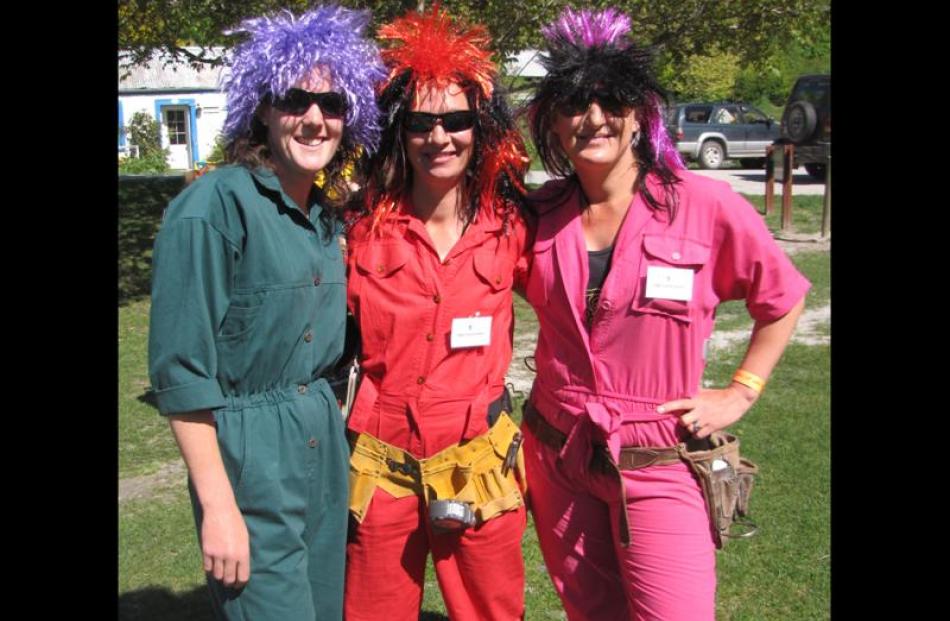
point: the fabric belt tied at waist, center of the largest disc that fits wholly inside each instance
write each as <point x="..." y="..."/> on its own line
<point x="597" y="456"/>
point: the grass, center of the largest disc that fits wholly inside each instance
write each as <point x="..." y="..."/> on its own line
<point x="784" y="571"/>
<point x="806" y="212"/>
<point x="145" y="442"/>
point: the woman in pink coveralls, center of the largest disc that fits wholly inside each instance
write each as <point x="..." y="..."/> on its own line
<point x="632" y="256"/>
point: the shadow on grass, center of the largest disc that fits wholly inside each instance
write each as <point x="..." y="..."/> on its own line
<point x="148" y="398"/>
<point x="141" y="203"/>
<point x="160" y="604"/>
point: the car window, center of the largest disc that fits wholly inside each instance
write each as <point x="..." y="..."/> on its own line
<point x="751" y="115"/>
<point x="669" y="116"/>
<point x="813" y="91"/>
<point x="697" y="114"/>
<point x="726" y="115"/>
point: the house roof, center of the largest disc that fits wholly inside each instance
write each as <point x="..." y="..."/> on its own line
<point x="526" y="64"/>
<point x="179" y="75"/>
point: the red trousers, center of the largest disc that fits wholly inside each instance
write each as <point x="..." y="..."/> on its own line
<point x="480" y="570"/>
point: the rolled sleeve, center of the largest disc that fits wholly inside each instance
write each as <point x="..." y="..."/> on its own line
<point x="751" y="266"/>
<point x="192" y="279"/>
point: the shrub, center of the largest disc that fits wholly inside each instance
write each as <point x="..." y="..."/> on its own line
<point x="143" y="131"/>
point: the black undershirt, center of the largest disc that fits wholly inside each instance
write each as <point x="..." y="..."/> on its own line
<point x="599" y="264"/>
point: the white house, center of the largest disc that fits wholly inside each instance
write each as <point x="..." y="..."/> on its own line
<point x="187" y="102"/>
<point x="526" y="64"/>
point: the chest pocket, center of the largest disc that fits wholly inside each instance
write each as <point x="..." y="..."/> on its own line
<point x="381" y="260"/>
<point x="332" y="269"/>
<point x="541" y="273"/>
<point x="669" y="252"/>
<point x="496" y="270"/>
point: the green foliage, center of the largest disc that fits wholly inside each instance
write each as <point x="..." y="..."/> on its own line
<point x="679" y="28"/>
<point x="150" y="164"/>
<point x="770" y="80"/>
<point x="217" y="153"/>
<point x="143" y="131"/>
<point x="141" y="203"/>
<point x="704" y="78"/>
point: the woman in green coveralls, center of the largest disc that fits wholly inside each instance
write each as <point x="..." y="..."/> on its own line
<point x="248" y="310"/>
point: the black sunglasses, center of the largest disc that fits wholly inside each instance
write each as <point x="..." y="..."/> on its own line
<point x="579" y="101"/>
<point x="297" y="101"/>
<point x="421" y="122"/>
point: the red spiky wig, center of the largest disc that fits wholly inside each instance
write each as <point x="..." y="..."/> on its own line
<point x="431" y="50"/>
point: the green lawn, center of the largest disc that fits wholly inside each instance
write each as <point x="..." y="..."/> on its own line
<point x="806" y="212"/>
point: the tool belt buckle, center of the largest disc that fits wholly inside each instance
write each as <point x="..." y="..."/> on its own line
<point x="450" y="515"/>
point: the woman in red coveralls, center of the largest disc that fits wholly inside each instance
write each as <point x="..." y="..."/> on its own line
<point x="432" y="262"/>
<point x="632" y="255"/>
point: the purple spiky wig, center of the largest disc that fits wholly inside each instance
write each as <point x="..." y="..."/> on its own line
<point x="590" y="51"/>
<point x="283" y="49"/>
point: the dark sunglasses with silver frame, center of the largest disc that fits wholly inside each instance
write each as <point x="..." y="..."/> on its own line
<point x="297" y="101"/>
<point x="421" y="122"/>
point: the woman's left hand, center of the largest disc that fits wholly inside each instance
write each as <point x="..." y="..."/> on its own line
<point x="711" y="410"/>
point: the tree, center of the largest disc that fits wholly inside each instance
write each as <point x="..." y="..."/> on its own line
<point x="679" y="29"/>
<point x="704" y="78"/>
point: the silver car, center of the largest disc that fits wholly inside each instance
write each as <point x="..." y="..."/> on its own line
<point x="712" y="133"/>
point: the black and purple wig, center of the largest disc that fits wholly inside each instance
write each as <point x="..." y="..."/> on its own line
<point x="589" y="52"/>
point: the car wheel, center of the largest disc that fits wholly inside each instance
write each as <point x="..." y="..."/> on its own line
<point x="817" y="171"/>
<point x="755" y="163"/>
<point x="800" y="121"/>
<point x="711" y="155"/>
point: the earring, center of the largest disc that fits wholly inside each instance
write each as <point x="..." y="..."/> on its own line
<point x="636" y="139"/>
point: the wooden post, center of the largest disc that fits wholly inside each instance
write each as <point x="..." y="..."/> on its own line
<point x="787" y="157"/>
<point x="826" y="208"/>
<point x="769" y="179"/>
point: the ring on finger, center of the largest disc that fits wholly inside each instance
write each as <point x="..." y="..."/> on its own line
<point x="695" y="426"/>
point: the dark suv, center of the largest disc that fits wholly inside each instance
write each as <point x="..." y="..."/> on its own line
<point x="714" y="132"/>
<point x="806" y="123"/>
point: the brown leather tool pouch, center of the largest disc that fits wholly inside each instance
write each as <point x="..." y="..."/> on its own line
<point x="726" y="480"/>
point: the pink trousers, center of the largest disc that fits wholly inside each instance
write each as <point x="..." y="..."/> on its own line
<point x="668" y="572"/>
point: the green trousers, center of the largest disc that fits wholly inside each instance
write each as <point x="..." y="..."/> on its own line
<point x="287" y="458"/>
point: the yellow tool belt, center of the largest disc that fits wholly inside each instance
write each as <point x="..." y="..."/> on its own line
<point x="473" y="472"/>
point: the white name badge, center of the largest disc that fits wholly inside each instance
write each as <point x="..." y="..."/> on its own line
<point x="470" y="332"/>
<point x="669" y="283"/>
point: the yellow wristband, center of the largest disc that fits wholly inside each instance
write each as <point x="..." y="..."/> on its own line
<point x="751" y="380"/>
